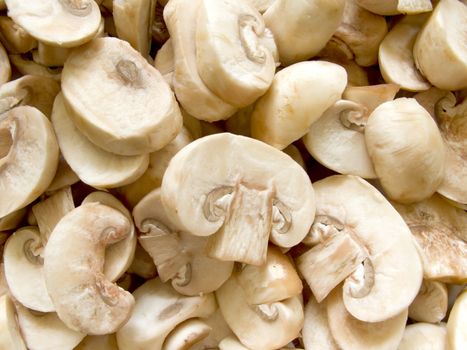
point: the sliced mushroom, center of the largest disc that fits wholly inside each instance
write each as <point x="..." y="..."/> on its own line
<point x="101" y="342"/>
<point x="93" y="165"/>
<point x="5" y="67"/>
<point x="298" y="96"/>
<point x="440" y="49"/>
<point x="264" y="326"/>
<point x="85" y="300"/>
<point x="261" y="5"/>
<point x="431" y="303"/>
<point x="64" y="176"/>
<point x="50" y="56"/>
<point x="28" y="67"/>
<point x="165" y="62"/>
<point x="178" y="256"/>
<point x="10" y="336"/>
<point x="231" y="343"/>
<point x="295" y="154"/>
<point x="12" y="220"/>
<point x="142" y="264"/>
<point x="28" y="157"/>
<point x="78" y="20"/>
<point x="301" y="29"/>
<point x="371" y="96"/>
<point x="457" y="333"/>
<point x="250" y="192"/>
<point x="187" y="334"/>
<point x="395" y="7"/>
<point x="316" y="333"/>
<point x="107" y="70"/>
<point x="14" y="38"/>
<point x="148" y="330"/>
<point x="219" y="331"/>
<point x="424" y="336"/>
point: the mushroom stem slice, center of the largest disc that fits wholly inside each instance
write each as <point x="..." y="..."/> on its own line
<point x="186" y="335"/>
<point x="431" y="303"/>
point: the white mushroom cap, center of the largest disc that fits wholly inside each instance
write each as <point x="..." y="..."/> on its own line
<point x="431" y="303"/>
<point x="424" y="336"/>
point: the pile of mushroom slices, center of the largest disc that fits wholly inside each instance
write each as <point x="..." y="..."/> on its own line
<point x="233" y="174"/>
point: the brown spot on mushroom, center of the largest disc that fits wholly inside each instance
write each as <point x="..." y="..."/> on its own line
<point x="171" y="310"/>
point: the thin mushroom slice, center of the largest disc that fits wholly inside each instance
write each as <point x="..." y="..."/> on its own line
<point x="395" y="7"/>
<point x="178" y="256"/>
<point x="298" y="96"/>
<point x="431" y="303"/>
<point x="424" y="336"/>
<point x="109" y="70"/>
<point x="148" y="330"/>
<point x="23" y="261"/>
<point x="316" y="332"/>
<point x="252" y="193"/>
<point x="78" y="20"/>
<point x="440" y="49"/>
<point x="84" y="299"/>
<point x="457" y="333"/>
<point x="5" y="67"/>
<point x="93" y="165"/>
<point x="101" y="342"/>
<point x="186" y="335"/>
<point x="231" y="56"/>
<point x="14" y="38"/>
<point x="28" y="67"/>
<point x="10" y="334"/>
<point x="28" y="157"/>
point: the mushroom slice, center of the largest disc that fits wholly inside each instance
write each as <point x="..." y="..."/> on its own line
<point x="5" y="67"/>
<point x="195" y="97"/>
<point x="457" y="333"/>
<point x="14" y="38"/>
<point x="274" y="281"/>
<point x="46" y="331"/>
<point x="219" y="330"/>
<point x="28" y="157"/>
<point x="165" y="62"/>
<point x="395" y="7"/>
<point x="50" y="56"/>
<point x="440" y="230"/>
<point x="316" y="333"/>
<point x="28" y="67"/>
<point x="10" y="335"/>
<point x="12" y="220"/>
<point x="353" y="334"/>
<point x="371" y="96"/>
<point x="261" y="5"/>
<point x="231" y="55"/>
<point x="409" y="165"/>
<point x="440" y="49"/>
<point x="109" y="70"/>
<point x="178" y="256"/>
<point x="78" y="20"/>
<point x="148" y="330"/>
<point x="295" y="154"/>
<point x="298" y="96"/>
<point x="22" y="257"/>
<point x="390" y="276"/>
<point x="101" y="342"/>
<point x="431" y="303"/>
<point x="231" y="343"/>
<point x="424" y="336"/>
<point x="64" y="176"/>
<point x="187" y="334"/>
<point x="85" y="300"/>
<point x="395" y="55"/>
<point x="264" y="326"/>
<point x="142" y="264"/>
<point x="252" y="191"/>
<point x="301" y="29"/>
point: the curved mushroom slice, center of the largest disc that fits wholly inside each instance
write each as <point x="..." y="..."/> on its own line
<point x="28" y="67"/>
<point x="390" y="276"/>
<point x="46" y="331"/>
<point x="431" y="303"/>
<point x="50" y="56"/>
<point x="409" y="165"/>
<point x="187" y="334"/>
<point x="429" y="99"/>
<point x="14" y="38"/>
<point x="148" y="330"/>
<point x="165" y="62"/>
<point x="395" y="56"/>
<point x="301" y="29"/>
<point x="250" y="192"/>
<point x="85" y="300"/>
<point x="195" y="97"/>
<point x="178" y="256"/>
<point x="441" y="231"/>
<point x="352" y="334"/>
<point x="264" y="326"/>
<point x="298" y="96"/>
<point x="12" y="220"/>
<point x="106" y="70"/>
<point x="440" y="49"/>
<point x="316" y="333"/>
<point x="28" y="157"/>
<point x="457" y="333"/>
<point x="78" y="20"/>
<point x="24" y="269"/>
<point x="93" y="165"/>
<point x="232" y="58"/>
<point x="395" y="7"/>
<point x="424" y="336"/>
<point x="10" y="335"/>
<point x="118" y="256"/>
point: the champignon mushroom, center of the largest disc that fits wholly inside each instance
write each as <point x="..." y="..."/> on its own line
<point x="246" y="191"/>
<point x="457" y="333"/>
<point x="316" y="333"/>
<point x="395" y="7"/>
<point x="431" y="303"/>
<point x="10" y="336"/>
<point x="5" y="67"/>
<point x="424" y="336"/>
<point x="14" y="38"/>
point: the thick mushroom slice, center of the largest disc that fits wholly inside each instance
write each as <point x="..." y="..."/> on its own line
<point x="409" y="165"/>
<point x="178" y="256"/>
<point x="14" y="38"/>
<point x="431" y="303"/>
<point x="10" y="335"/>
<point x="390" y="276"/>
<point x="316" y="332"/>
<point x="440" y="49"/>
<point x="65" y="23"/>
<point x="424" y="336"/>
<point x="441" y="232"/>
<point x="148" y="330"/>
<point x="298" y="96"/>
<point x="93" y="165"/>
<point x="264" y="326"/>
<point x="231" y="54"/>
<point x="241" y="190"/>
<point x="395" y="7"/>
<point x="109" y="70"/>
<point x="301" y="29"/>
<point x="5" y="67"/>
<point x="84" y="299"/>
<point x="28" y="157"/>
<point x="457" y="333"/>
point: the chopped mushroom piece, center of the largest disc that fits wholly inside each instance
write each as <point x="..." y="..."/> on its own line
<point x="10" y="335"/>
<point x="14" y="38"/>
<point x="395" y="7"/>
<point x="316" y="332"/>
<point x="64" y="176"/>
<point x="424" y="336"/>
<point x="457" y="332"/>
<point x="431" y="303"/>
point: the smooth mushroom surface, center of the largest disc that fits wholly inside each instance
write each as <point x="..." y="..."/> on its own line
<point x="424" y="336"/>
<point x="431" y="303"/>
<point x="316" y="332"/>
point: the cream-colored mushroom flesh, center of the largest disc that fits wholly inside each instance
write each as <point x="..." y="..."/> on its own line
<point x="440" y="49"/>
<point x="391" y="274"/>
<point x="187" y="334"/>
<point x="298" y="96"/>
<point x="66" y="23"/>
<point x="410" y="165"/>
<point x="395" y="7"/>
<point x="424" y="336"/>
<point x="431" y="303"/>
<point x="28" y="157"/>
<point x="120" y="102"/>
<point x="441" y="232"/>
<point x="10" y="334"/>
<point x="457" y="333"/>
<point x="28" y="67"/>
<point x="84" y="299"/>
<point x="14" y="38"/>
<point x="101" y="342"/>
<point x="243" y="194"/>
<point x="316" y="332"/>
